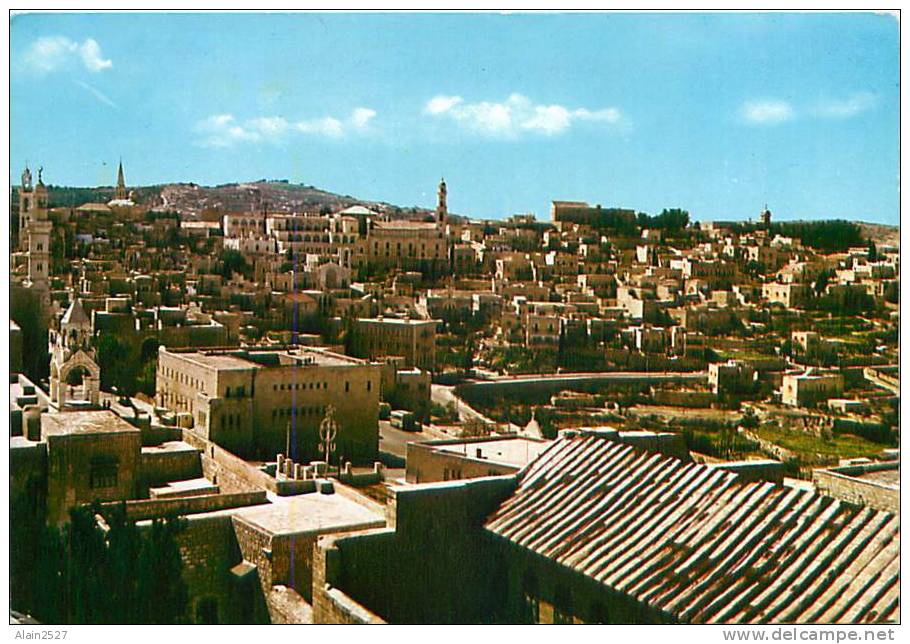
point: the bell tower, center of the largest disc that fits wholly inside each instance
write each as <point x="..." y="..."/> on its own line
<point x="442" y="210"/>
<point x="765" y="218"/>
<point x="32" y="205"/>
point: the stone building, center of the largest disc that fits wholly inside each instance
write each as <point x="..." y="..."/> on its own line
<point x="413" y="340"/>
<point x="732" y="376"/>
<point x="91" y="456"/>
<point x="595" y="531"/>
<point x="450" y="460"/>
<point x="809" y="388"/>
<point x="259" y="402"/>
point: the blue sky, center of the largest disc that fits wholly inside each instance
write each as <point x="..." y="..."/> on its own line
<point x="715" y="113"/>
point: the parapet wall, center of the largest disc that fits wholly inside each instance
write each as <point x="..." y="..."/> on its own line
<point x="158" y="467"/>
<point x="229" y="472"/>
<point x="144" y="509"/>
<point x="843" y="483"/>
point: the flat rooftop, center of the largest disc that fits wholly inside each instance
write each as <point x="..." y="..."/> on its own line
<point x="74" y="423"/>
<point x="265" y="358"/>
<point x="509" y="451"/>
<point x="401" y="321"/>
<point x="886" y="477"/>
<point x="312" y="513"/>
<point x="17" y="389"/>
<point x="169" y="446"/>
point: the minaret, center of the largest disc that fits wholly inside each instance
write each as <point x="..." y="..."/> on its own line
<point x="120" y="192"/>
<point x="26" y="203"/>
<point x="442" y="209"/>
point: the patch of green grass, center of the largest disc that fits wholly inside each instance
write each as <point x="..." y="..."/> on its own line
<point x="808" y="445"/>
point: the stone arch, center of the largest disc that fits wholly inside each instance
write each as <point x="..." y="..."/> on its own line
<point x="91" y="382"/>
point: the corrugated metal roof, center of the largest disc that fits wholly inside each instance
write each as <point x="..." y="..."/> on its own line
<point x="691" y="541"/>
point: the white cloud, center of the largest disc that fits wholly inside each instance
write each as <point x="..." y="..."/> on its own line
<point x="442" y="104"/>
<point x="516" y="115"/>
<point x="845" y="108"/>
<point x="328" y="126"/>
<point x="91" y="56"/>
<point x="223" y="130"/>
<point x="767" y="112"/>
<point x="362" y="117"/>
<point x="53" y="53"/>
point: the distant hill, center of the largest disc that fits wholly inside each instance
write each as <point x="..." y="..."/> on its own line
<point x="881" y="234"/>
<point x="193" y="201"/>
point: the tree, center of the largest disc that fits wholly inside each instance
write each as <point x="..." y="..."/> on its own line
<point x="233" y="261"/>
<point x="82" y="574"/>
<point x="824" y="278"/>
<point x="118" y="369"/>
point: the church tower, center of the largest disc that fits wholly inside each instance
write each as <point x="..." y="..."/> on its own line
<point x="442" y="210"/>
<point x="37" y="236"/>
<point x="39" y="252"/>
<point x="765" y="218"/>
<point x="26" y="199"/>
<point x="74" y="371"/>
<point x="120" y="192"/>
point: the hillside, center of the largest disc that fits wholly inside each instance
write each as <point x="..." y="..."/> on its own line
<point x="193" y="201"/>
<point x="881" y="234"/>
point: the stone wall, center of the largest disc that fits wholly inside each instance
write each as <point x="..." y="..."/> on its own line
<point x="331" y="605"/>
<point x="158" y="508"/>
<point x="208" y="551"/>
<point x="842" y="483"/>
<point x="437" y="527"/>
<point x="684" y="398"/>
<point x="229" y="472"/>
<point x="28" y="476"/>
<point x="161" y="466"/>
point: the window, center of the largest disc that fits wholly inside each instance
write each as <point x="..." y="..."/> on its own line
<point x="103" y="473"/>
<point x="369" y="385"/>
<point x="347" y="386"/>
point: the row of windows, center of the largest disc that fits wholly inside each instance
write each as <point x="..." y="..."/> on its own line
<point x="321" y="239"/>
<point x="174" y="401"/>
<point x="230" y="420"/>
<point x="297" y="386"/>
<point x="310" y="410"/>
<point x="182" y="378"/>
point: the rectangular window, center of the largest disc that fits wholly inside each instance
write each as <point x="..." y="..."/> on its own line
<point x="103" y="473"/>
